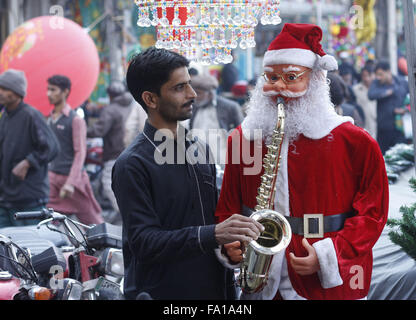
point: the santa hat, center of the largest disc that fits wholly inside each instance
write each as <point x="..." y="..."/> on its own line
<point x="300" y="44"/>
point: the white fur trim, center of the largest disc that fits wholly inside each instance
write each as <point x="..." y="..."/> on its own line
<point x="224" y="259"/>
<point x="300" y="57"/>
<point x="328" y="63"/>
<point x="286" y="289"/>
<point x="327" y="256"/>
<point x="330" y="124"/>
<point x="281" y="200"/>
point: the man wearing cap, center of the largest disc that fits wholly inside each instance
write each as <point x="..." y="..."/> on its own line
<point x="111" y="127"/>
<point x="214" y="116"/>
<point x="331" y="185"/>
<point x="27" y="145"/>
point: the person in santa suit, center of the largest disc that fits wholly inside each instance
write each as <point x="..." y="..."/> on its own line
<point x="331" y="185"/>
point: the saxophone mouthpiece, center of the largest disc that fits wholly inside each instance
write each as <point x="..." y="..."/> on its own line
<point x="280" y="100"/>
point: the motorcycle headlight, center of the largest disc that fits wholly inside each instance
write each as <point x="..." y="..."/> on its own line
<point x="72" y="290"/>
<point x="114" y="263"/>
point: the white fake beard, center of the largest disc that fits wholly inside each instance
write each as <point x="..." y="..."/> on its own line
<point x="304" y="115"/>
<point x="286" y="93"/>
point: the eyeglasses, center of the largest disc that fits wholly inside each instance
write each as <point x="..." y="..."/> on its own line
<point x="288" y="77"/>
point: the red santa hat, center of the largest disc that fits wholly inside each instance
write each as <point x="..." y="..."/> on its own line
<point x="300" y="44"/>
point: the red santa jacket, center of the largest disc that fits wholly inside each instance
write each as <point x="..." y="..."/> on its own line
<point x="341" y="172"/>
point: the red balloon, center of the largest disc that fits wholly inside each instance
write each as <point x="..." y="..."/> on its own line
<point x="46" y="46"/>
<point x="403" y="65"/>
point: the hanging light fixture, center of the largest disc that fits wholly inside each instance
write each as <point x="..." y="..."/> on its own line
<point x="207" y="31"/>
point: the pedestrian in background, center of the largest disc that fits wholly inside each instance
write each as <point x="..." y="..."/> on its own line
<point x="134" y="123"/>
<point x="229" y="76"/>
<point x="213" y="112"/>
<point x="369" y="107"/>
<point x="338" y="93"/>
<point x="350" y="77"/>
<point x="390" y="92"/>
<point x="27" y="145"/>
<point x="111" y="127"/>
<point x="70" y="189"/>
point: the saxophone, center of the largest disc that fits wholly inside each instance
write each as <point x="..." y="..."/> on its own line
<point x="259" y="253"/>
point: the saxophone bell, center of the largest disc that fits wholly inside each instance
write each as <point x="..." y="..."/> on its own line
<point x="258" y="255"/>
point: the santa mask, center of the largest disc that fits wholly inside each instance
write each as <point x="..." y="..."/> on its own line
<point x="287" y="81"/>
<point x="295" y="67"/>
<point x="290" y="58"/>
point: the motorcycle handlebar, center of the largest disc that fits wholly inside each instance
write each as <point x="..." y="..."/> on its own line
<point x="49" y="215"/>
<point x="43" y="214"/>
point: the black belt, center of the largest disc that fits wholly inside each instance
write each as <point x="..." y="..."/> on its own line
<point x="313" y="225"/>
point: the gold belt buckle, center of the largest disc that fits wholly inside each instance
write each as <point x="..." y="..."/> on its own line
<point x="306" y="233"/>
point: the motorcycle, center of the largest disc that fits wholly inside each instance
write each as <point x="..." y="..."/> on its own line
<point x="94" y="158"/>
<point x="18" y="277"/>
<point x="90" y="268"/>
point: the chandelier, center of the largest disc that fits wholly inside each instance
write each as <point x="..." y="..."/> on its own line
<point x="207" y="31"/>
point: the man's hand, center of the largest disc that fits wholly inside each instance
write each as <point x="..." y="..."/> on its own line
<point x="234" y="251"/>
<point x="21" y="169"/>
<point x="67" y="191"/>
<point x="305" y="265"/>
<point x="389" y="92"/>
<point x="237" y="228"/>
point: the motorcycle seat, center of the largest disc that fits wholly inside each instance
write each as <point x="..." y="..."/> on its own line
<point x="31" y="232"/>
<point x="36" y="246"/>
<point x="29" y="239"/>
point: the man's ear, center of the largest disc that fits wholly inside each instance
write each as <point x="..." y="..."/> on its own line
<point x="150" y="99"/>
<point x="67" y="92"/>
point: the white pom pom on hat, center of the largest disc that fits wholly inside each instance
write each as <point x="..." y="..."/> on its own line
<point x="328" y="62"/>
<point x="299" y="44"/>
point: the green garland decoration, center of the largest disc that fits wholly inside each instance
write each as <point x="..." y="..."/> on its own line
<point x="404" y="229"/>
<point x="398" y="159"/>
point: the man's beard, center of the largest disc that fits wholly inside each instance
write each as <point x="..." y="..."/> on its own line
<point x="304" y="115"/>
<point x="172" y="113"/>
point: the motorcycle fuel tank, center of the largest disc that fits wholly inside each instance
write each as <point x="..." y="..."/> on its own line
<point x="9" y="286"/>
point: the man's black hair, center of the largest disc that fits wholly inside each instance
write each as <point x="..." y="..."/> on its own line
<point x="253" y="82"/>
<point x="369" y="69"/>
<point x="383" y="65"/>
<point x="370" y="63"/>
<point x="150" y="70"/>
<point x="346" y="68"/>
<point x="193" y="72"/>
<point x="62" y="82"/>
<point x="337" y="88"/>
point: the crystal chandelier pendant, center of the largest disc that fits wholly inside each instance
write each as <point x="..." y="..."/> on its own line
<point x="207" y="30"/>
